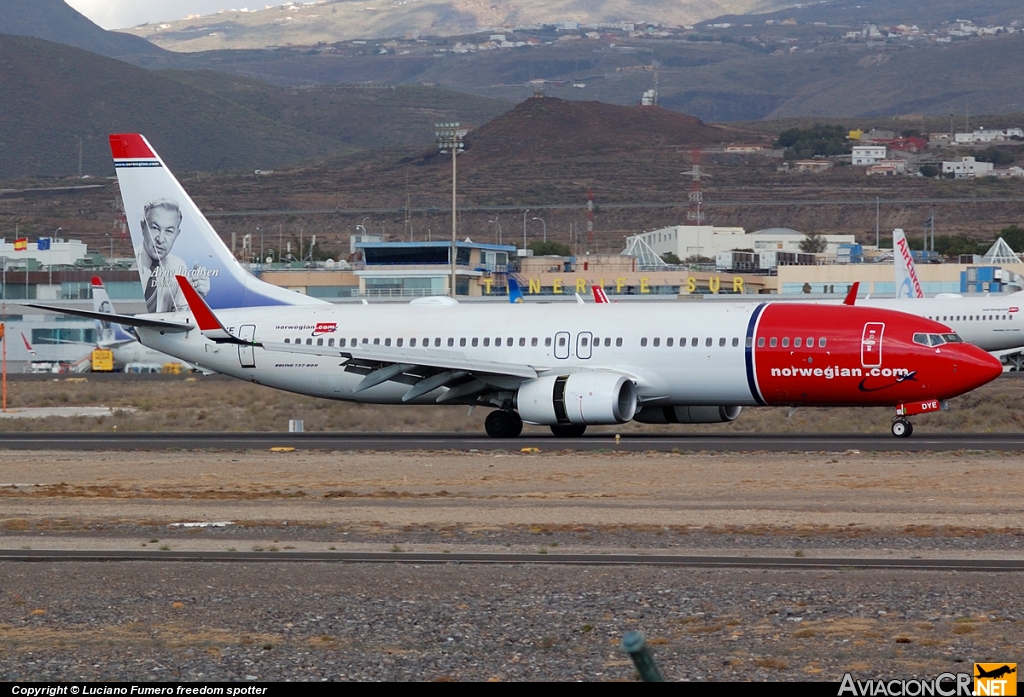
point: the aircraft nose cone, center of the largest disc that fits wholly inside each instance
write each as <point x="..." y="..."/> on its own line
<point x="978" y="368"/>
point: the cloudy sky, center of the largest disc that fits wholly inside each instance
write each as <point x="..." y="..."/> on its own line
<point x="118" y="14"/>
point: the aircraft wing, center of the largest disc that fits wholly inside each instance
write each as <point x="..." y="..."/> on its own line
<point x="430" y="358"/>
<point x="424" y="369"/>
<point x="130" y="320"/>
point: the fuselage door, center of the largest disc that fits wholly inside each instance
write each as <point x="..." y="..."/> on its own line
<point x="562" y="345"/>
<point x="584" y="340"/>
<point x="871" y="345"/>
<point x="246" y="355"/>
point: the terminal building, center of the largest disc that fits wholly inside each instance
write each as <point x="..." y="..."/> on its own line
<point x="707" y="241"/>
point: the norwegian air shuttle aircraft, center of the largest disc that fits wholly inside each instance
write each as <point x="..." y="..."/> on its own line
<point x="566" y="366"/>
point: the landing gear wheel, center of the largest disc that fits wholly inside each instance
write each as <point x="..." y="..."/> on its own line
<point x="901" y="428"/>
<point x="503" y="424"/>
<point x="568" y="431"/>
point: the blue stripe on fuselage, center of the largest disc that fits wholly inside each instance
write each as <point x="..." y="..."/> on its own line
<point x="751" y="383"/>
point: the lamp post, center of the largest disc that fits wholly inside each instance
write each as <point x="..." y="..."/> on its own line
<point x="261" y="243"/>
<point x="545" y="227"/>
<point x="524" y="228"/>
<point x="449" y="140"/>
<point x="495" y="222"/>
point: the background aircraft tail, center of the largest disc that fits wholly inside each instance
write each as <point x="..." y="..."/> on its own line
<point x="172" y="237"/>
<point x="907" y="284"/>
<point x="107" y="333"/>
<point x="515" y="293"/>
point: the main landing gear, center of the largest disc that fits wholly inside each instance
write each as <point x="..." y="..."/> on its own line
<point x="901" y="428"/>
<point x="569" y="430"/>
<point x="503" y="424"/>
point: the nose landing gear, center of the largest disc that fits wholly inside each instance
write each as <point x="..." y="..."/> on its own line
<point x="901" y="428"/>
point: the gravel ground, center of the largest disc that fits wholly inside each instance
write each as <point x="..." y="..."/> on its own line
<point x="310" y="621"/>
<point x="131" y="621"/>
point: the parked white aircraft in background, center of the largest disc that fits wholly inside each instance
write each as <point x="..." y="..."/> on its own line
<point x="121" y="341"/>
<point x="992" y="322"/>
<point x="566" y="366"/>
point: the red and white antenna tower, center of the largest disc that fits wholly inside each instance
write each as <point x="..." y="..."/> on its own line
<point x="694" y="214"/>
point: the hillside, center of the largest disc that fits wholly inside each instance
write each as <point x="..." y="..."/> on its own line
<point x="205" y="120"/>
<point x="343" y="20"/>
<point x="546" y="128"/>
<point x="359" y="117"/>
<point x="54" y="20"/>
<point x="53" y="94"/>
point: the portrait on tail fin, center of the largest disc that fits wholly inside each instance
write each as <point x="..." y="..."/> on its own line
<point x="161" y="225"/>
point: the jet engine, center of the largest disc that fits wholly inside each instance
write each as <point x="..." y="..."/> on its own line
<point x="592" y="397"/>
<point x="687" y="415"/>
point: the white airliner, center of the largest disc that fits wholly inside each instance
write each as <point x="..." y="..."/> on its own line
<point x="566" y="366"/>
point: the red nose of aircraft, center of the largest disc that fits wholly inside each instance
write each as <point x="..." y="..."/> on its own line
<point x="972" y="367"/>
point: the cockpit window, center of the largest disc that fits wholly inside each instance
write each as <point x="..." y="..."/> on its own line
<point x="937" y="339"/>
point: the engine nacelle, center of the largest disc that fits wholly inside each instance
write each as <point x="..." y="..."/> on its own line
<point x="687" y="415"/>
<point x="587" y="398"/>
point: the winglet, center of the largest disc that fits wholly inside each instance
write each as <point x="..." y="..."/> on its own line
<point x="600" y="297"/>
<point x="851" y="297"/>
<point x="97" y="282"/>
<point x="208" y="323"/>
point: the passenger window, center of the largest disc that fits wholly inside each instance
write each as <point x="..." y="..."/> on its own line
<point x="735" y="341"/>
<point x="509" y="342"/>
<point x="821" y="342"/>
<point x="487" y="341"/>
<point x="320" y="342"/>
<point x="366" y="340"/>
<point x="412" y="343"/>
<point x="476" y="341"/>
<point x="707" y="342"/>
<point x="774" y="342"/>
<point x="398" y="342"/>
<point x="810" y="342"/>
<point x="618" y="341"/>
<point x="376" y="342"/>
<point x="657" y="341"/>
<point x="785" y="342"/>
<point x="533" y="341"/>
<point x="721" y="341"/>
<point x="693" y="341"/>
<point x="341" y="343"/>
<point x="330" y="342"/>
<point x="437" y="341"/>
<point x="561" y="341"/>
<point x="643" y="341"/>
<point x="607" y="341"/>
<point x="760" y="342"/>
<point x="583" y="341"/>
<point x="547" y="341"/>
<point x="462" y="341"/>
<point x="451" y="341"/>
<point x="797" y="342"/>
<point x="522" y="341"/>
<point x="309" y="342"/>
<point x="387" y="342"/>
<point x="287" y="340"/>
<point x="668" y="342"/>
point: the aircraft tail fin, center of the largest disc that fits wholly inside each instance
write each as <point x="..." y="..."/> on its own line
<point x="107" y="333"/>
<point x="515" y="292"/>
<point x="172" y="237"/>
<point x="907" y="283"/>
<point x="600" y="297"/>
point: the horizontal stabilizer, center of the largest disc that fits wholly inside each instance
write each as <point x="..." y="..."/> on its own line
<point x="208" y="323"/>
<point x="130" y="320"/>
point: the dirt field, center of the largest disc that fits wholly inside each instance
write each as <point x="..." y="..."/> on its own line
<point x="187" y="403"/>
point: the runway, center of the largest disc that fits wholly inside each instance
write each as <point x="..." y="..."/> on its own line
<point x="519" y="559"/>
<point x="605" y="442"/>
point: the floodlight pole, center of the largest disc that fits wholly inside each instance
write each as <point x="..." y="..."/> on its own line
<point x="449" y="139"/>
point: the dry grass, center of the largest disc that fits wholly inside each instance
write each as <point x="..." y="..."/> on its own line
<point x="217" y="404"/>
